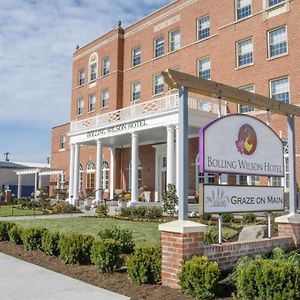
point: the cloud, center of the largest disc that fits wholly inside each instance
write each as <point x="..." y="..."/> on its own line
<point x="37" y="39"/>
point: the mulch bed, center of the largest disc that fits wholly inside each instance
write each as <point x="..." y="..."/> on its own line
<point x="117" y="282"/>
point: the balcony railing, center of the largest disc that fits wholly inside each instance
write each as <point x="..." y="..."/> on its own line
<point x="135" y="111"/>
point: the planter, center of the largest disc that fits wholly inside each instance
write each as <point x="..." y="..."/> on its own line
<point x="147" y="196"/>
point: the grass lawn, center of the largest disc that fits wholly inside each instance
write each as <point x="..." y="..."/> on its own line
<point x="15" y="210"/>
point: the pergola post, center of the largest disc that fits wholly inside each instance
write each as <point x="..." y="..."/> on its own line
<point x="19" y="186"/>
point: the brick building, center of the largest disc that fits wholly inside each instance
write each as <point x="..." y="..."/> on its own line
<point x="123" y="128"/>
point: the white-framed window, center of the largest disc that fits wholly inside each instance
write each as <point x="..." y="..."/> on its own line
<point x="243" y="9"/>
<point x="136" y="56"/>
<point x="90" y="176"/>
<point x="105" y="98"/>
<point x="204" y="68"/>
<point x="135" y="90"/>
<point x="158" y="84"/>
<point x="92" y="102"/>
<point x="244" y="51"/>
<point x="159" y="46"/>
<point x="246" y="108"/>
<point x="62" y="141"/>
<point x="253" y="180"/>
<point x="105" y="66"/>
<point x="93" y="67"/>
<point x="207" y="178"/>
<point x="81" y="77"/>
<point x="105" y="175"/>
<point x="139" y="175"/>
<point x="280" y="89"/>
<point x="80" y="177"/>
<point x="271" y="3"/>
<point x="278" y="42"/>
<point x="203" y="28"/>
<point x="174" y="39"/>
<point x="80" y="106"/>
<point x="243" y="179"/>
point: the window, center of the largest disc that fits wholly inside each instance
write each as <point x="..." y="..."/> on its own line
<point x="92" y="103"/>
<point x="135" y="91"/>
<point x="253" y="180"/>
<point x="273" y="2"/>
<point x="203" y="28"/>
<point x="204" y="68"/>
<point x="105" y="98"/>
<point x="207" y="178"/>
<point x="243" y="9"/>
<point x="175" y="40"/>
<point x="105" y="175"/>
<point x="80" y="106"/>
<point x="280" y="89"/>
<point x="105" y="66"/>
<point x="159" y="45"/>
<point x="246" y="108"/>
<point x="278" y="42"/>
<point x="81" y="77"/>
<point x="158" y="84"/>
<point x="62" y="141"/>
<point x="90" y="176"/>
<point x="93" y="63"/>
<point x="136" y="56"/>
<point x="243" y="179"/>
<point x="244" y="52"/>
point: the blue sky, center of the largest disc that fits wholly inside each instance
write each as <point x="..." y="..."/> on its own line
<point x="37" y="39"/>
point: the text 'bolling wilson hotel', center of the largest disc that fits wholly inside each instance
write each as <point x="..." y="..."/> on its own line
<point x="123" y="128"/>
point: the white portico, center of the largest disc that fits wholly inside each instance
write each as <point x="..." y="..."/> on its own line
<point x="154" y="122"/>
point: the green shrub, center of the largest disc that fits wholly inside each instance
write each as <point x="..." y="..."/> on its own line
<point x="206" y="217"/>
<point x="270" y="279"/>
<point x="154" y="212"/>
<point x="32" y="238"/>
<point x="211" y="236"/>
<point x="199" y="277"/>
<point x="102" y="210"/>
<point x="4" y="229"/>
<point x="75" y="248"/>
<point x="249" y="218"/>
<point x="50" y="243"/>
<point x="170" y="200"/>
<point x="105" y="254"/>
<point x="144" y="266"/>
<point x="124" y="236"/>
<point x="15" y="235"/>
<point x="227" y="217"/>
<point x="142" y="212"/>
<point x="61" y="207"/>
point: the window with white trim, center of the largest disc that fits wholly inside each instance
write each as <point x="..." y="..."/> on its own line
<point x="271" y="3"/>
<point x="174" y="40"/>
<point x="280" y="89"/>
<point x="136" y="90"/>
<point x="80" y="106"/>
<point x="278" y="43"/>
<point x="90" y="176"/>
<point x="105" y="98"/>
<point x="158" y="84"/>
<point x="246" y="108"/>
<point x="253" y="180"/>
<point x="243" y="9"/>
<point x="243" y="179"/>
<point x="159" y="46"/>
<point x="105" y="66"/>
<point x="93" y="67"/>
<point x="136" y="56"/>
<point x="204" y="68"/>
<point x="203" y="28"/>
<point x="81" y="77"/>
<point x="207" y="178"/>
<point x="62" y="141"/>
<point x="105" y="175"/>
<point x="92" y="102"/>
<point x="244" y="52"/>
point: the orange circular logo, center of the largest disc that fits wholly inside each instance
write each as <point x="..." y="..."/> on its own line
<point x="247" y="140"/>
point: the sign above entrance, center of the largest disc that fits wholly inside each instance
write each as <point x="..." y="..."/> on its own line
<point x="240" y="144"/>
<point x="225" y="199"/>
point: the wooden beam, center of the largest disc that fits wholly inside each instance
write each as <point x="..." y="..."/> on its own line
<point x="215" y="89"/>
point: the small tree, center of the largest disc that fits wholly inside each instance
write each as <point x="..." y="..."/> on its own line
<point x="170" y="200"/>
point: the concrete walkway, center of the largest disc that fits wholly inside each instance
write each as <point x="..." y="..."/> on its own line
<point x="24" y="281"/>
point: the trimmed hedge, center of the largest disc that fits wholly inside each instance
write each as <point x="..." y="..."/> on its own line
<point x="32" y="238"/>
<point x="15" y="235"/>
<point x="4" y="229"/>
<point x="75" y="248"/>
<point x="144" y="266"/>
<point x="199" y="277"/>
<point x="142" y="212"/>
<point x="50" y="242"/>
<point x="105" y="254"/>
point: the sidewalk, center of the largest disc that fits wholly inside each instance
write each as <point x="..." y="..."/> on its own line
<point x="24" y="281"/>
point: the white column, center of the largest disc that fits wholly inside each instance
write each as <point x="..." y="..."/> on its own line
<point x="134" y="168"/>
<point x="99" y="162"/>
<point x="177" y="159"/>
<point x="76" y="174"/>
<point x="19" y="186"/>
<point x="35" y="183"/>
<point x="62" y="183"/>
<point x="170" y="155"/>
<point x="71" y="174"/>
<point x="157" y="177"/>
<point x="112" y="171"/>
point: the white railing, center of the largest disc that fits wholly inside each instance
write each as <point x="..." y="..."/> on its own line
<point x="163" y="104"/>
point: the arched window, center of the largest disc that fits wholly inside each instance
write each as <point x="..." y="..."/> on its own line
<point x="202" y="177"/>
<point x="139" y="175"/>
<point x="105" y="175"/>
<point x="90" y="176"/>
<point x="93" y="67"/>
<point x="80" y="177"/>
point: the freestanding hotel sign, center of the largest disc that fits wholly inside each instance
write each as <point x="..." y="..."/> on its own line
<point x="240" y="144"/>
